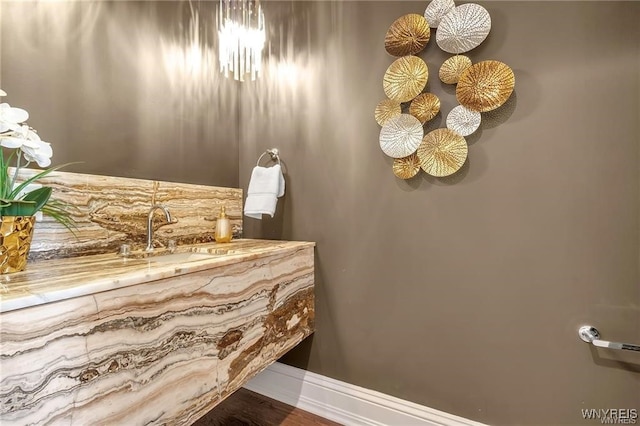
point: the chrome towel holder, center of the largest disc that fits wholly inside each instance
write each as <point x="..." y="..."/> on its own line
<point x="273" y="153"/>
<point x="591" y="335"/>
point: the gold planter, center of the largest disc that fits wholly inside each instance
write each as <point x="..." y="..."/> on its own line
<point x="15" y="242"/>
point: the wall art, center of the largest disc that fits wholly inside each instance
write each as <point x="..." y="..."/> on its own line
<point x="481" y="87"/>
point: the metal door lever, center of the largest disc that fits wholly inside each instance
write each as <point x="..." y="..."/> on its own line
<point x="590" y="334"/>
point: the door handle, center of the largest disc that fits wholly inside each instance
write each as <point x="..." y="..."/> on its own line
<point x="591" y="335"/>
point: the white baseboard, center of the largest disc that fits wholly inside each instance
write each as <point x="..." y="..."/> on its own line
<point x="345" y="403"/>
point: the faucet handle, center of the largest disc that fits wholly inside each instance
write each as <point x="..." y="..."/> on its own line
<point x="168" y="218"/>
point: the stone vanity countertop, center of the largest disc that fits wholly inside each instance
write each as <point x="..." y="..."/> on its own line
<point x="58" y="279"/>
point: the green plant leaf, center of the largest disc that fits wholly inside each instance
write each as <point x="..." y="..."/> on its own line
<point x="42" y="174"/>
<point x="3" y="175"/>
<point x="61" y="212"/>
<point x="36" y="200"/>
<point x="18" y="208"/>
<point x="40" y="196"/>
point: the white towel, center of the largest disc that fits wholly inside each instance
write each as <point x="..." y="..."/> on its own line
<point x="265" y="186"/>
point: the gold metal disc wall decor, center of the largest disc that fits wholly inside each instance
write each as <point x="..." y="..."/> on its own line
<point x="387" y="109"/>
<point x="407" y="167"/>
<point x="424" y="107"/>
<point x="401" y="135"/>
<point x="452" y="68"/>
<point x="463" y="121"/>
<point x="405" y="78"/>
<point x="485" y="86"/>
<point x="480" y="87"/>
<point x="442" y="152"/>
<point x="464" y="28"/>
<point x="408" y="35"/>
<point x="435" y="11"/>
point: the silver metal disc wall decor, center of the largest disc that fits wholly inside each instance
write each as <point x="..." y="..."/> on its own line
<point x="436" y="10"/>
<point x="480" y="87"/>
<point x="408" y="35"/>
<point x="400" y="136"/>
<point x="464" y="28"/>
<point x="405" y="78"/>
<point x="463" y="121"/>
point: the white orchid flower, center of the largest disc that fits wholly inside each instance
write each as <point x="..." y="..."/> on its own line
<point x="38" y="151"/>
<point x="33" y="148"/>
<point x="11" y="118"/>
<point x="18" y="137"/>
<point x="11" y="141"/>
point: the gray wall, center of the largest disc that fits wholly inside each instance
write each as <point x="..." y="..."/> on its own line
<point x="465" y="293"/>
<point x="129" y="88"/>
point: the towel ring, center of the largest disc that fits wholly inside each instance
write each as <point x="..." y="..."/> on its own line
<point x="273" y="153"/>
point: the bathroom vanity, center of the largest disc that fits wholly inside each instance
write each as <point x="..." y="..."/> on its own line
<point x="148" y="339"/>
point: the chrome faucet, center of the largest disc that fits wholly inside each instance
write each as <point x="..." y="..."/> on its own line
<point x="150" y="220"/>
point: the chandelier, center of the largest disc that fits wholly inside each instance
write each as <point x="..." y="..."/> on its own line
<point x="241" y="37"/>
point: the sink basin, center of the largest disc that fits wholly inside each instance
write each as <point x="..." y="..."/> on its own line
<point x="218" y="251"/>
<point x="185" y="254"/>
<point x="179" y="257"/>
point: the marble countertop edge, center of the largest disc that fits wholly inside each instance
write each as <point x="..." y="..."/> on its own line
<point x="49" y="281"/>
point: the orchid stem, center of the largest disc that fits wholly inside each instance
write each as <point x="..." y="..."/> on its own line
<point x="3" y="177"/>
<point x="15" y="174"/>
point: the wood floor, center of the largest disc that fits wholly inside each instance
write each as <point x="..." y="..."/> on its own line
<point x="246" y="408"/>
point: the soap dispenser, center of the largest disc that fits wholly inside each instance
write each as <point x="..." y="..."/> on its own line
<point x="223" y="227"/>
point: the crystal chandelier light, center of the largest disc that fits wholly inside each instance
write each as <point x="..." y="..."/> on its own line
<point x="241" y="37"/>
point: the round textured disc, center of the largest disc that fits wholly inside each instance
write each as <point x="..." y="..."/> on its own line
<point x="463" y="121"/>
<point x="452" y="68"/>
<point x="407" y="167"/>
<point x="464" y="28"/>
<point x="424" y="107"/>
<point x="436" y="10"/>
<point x="408" y="35"/>
<point x="485" y="86"/>
<point x="442" y="152"/>
<point x="405" y="78"/>
<point x="387" y="109"/>
<point x="401" y="135"/>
